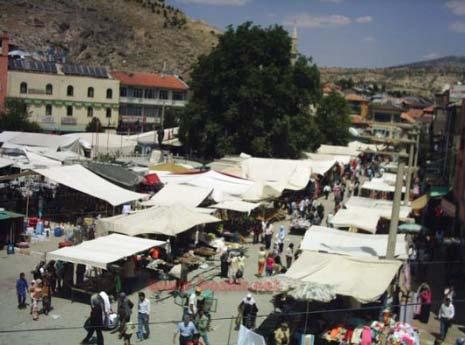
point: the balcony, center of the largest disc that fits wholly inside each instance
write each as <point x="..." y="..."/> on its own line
<point x="152" y="101"/>
<point x="47" y="119"/>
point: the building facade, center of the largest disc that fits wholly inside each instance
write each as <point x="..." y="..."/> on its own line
<point x="144" y="97"/>
<point x="4" y="70"/>
<point x="459" y="182"/>
<point x="64" y="98"/>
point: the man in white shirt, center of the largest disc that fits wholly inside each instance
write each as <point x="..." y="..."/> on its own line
<point x="143" y="308"/>
<point x="446" y="314"/>
<point x="268" y="235"/>
<point x="192" y="304"/>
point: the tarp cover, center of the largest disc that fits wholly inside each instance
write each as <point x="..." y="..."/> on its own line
<point x="52" y="141"/>
<point x="163" y="220"/>
<point x="384" y="207"/>
<point x="115" y="173"/>
<point x="380" y="185"/>
<point x="361" y="278"/>
<point x="322" y="239"/>
<point x="341" y="159"/>
<point x="104" y="143"/>
<point x="338" y="150"/>
<point x="356" y="217"/>
<point x="291" y="174"/>
<point x="236" y="205"/>
<point x="103" y="250"/>
<point x="170" y="194"/>
<point x="4" y="162"/>
<point x="79" y="178"/>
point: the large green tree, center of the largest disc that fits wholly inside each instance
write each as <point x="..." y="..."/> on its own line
<point x="15" y="118"/>
<point x="247" y="96"/>
<point x="333" y="119"/>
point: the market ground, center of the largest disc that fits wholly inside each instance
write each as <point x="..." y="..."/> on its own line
<point x="64" y="324"/>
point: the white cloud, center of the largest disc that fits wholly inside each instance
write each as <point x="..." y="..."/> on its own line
<point x="456" y="7"/>
<point x="457" y="27"/>
<point x="308" y="21"/>
<point x="431" y="56"/>
<point x="333" y="1"/>
<point x="216" y="2"/>
<point x="364" y="20"/>
<point x="369" y="39"/>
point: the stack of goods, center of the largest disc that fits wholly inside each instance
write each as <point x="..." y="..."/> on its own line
<point x="403" y="334"/>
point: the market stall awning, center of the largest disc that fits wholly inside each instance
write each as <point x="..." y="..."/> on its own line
<point x="5" y="215"/>
<point x="263" y="191"/>
<point x="114" y="173"/>
<point x="361" y="278"/>
<point x="236" y="205"/>
<point x="323" y="239"/>
<point x="103" y="250"/>
<point x="79" y="178"/>
<point x="438" y="191"/>
<point x="190" y="196"/>
<point x="380" y="185"/>
<point x="384" y="207"/>
<point x="5" y="162"/>
<point x="163" y="220"/>
<point x="170" y="167"/>
<point x="360" y="218"/>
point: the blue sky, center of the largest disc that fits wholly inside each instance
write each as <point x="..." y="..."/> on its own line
<point x="350" y="33"/>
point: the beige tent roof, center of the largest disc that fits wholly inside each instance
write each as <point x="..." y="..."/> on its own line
<point x="190" y="196"/>
<point x="363" y="279"/>
<point x="163" y="220"/>
<point x="171" y="167"/>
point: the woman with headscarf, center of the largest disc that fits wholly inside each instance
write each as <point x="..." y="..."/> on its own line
<point x="281" y="237"/>
<point x="248" y="309"/>
<point x="124" y="312"/>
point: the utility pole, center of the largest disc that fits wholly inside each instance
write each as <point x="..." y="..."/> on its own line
<point x="409" y="176"/>
<point x="391" y="248"/>
<point x="416" y="153"/>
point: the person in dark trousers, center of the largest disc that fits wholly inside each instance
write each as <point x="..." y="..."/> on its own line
<point x="445" y="315"/>
<point x="95" y="322"/>
<point x="21" y="290"/>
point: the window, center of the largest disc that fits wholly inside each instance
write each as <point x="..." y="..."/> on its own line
<point x="23" y="87"/>
<point x="163" y="94"/>
<point x="90" y="112"/>
<point x="382" y="117"/>
<point x="48" y="109"/>
<point x="69" y="110"/>
<point x="109" y="93"/>
<point x="150" y="93"/>
<point x="123" y="92"/>
<point x="49" y="89"/>
<point x="108" y="112"/>
<point x="137" y="93"/>
<point x="178" y="96"/>
<point x="70" y="91"/>
<point x="90" y="92"/>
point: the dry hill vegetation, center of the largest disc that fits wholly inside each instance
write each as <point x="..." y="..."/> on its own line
<point x="121" y="34"/>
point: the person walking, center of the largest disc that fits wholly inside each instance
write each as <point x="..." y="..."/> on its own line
<point x="261" y="261"/>
<point x="21" y="290"/>
<point x="186" y="329"/>
<point x="326" y="191"/>
<point x="233" y="268"/>
<point x="281" y="237"/>
<point x="46" y="295"/>
<point x="95" y="321"/>
<point x="289" y="255"/>
<point x="269" y="265"/>
<point x="248" y="309"/>
<point x="143" y="313"/>
<point x="240" y="265"/>
<point x="268" y="235"/>
<point x="224" y="264"/>
<point x="203" y="325"/>
<point x="445" y="315"/>
<point x="36" y="295"/>
<point x="124" y="311"/>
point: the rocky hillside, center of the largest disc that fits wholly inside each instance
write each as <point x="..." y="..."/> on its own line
<point x="422" y="78"/>
<point x="120" y="34"/>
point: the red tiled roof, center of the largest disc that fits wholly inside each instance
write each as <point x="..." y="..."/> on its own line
<point x="407" y="117"/>
<point x="150" y="80"/>
<point x="429" y="109"/>
<point x="415" y="113"/>
<point x="355" y="98"/>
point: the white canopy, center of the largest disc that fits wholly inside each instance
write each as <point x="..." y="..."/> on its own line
<point x="170" y="194"/>
<point x="104" y="143"/>
<point x="236" y="205"/>
<point x="361" y="218"/>
<point x="322" y="239"/>
<point x="292" y="174"/>
<point x="341" y="159"/>
<point x="361" y="278"/>
<point x="51" y="141"/>
<point x="163" y="220"/>
<point x="4" y="162"/>
<point x="103" y="250"/>
<point x="338" y="150"/>
<point x="384" y="207"/>
<point x="320" y="166"/>
<point x="380" y="185"/>
<point x="79" y="178"/>
<point x="263" y="191"/>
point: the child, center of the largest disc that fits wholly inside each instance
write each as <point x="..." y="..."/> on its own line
<point x="127" y="333"/>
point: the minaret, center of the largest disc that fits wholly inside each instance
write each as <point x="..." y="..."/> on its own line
<point x="294" y="51"/>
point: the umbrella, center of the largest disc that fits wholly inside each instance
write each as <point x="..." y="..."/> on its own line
<point x="411" y="227"/>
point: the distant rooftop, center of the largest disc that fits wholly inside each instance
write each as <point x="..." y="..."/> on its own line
<point x="150" y="80"/>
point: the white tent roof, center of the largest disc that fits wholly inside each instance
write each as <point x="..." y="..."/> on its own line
<point x="338" y="150"/>
<point x="104" y="142"/>
<point x="103" y="250"/>
<point x="79" y="178"/>
<point x="236" y="205"/>
<point x="379" y="185"/>
<point x="4" y="162"/>
<point x="52" y="141"/>
<point x="320" y="166"/>
<point x="362" y="278"/>
<point x="323" y="239"/>
<point x="384" y="207"/>
<point x="361" y="218"/>
<point x="170" y="194"/>
<point x="263" y="191"/>
<point x="292" y="174"/>
<point x="164" y="220"/>
<point x="342" y="159"/>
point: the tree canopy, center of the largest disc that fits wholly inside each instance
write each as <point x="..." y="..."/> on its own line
<point x="94" y="126"/>
<point x="333" y="119"/>
<point x="15" y="118"/>
<point x="247" y="96"/>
